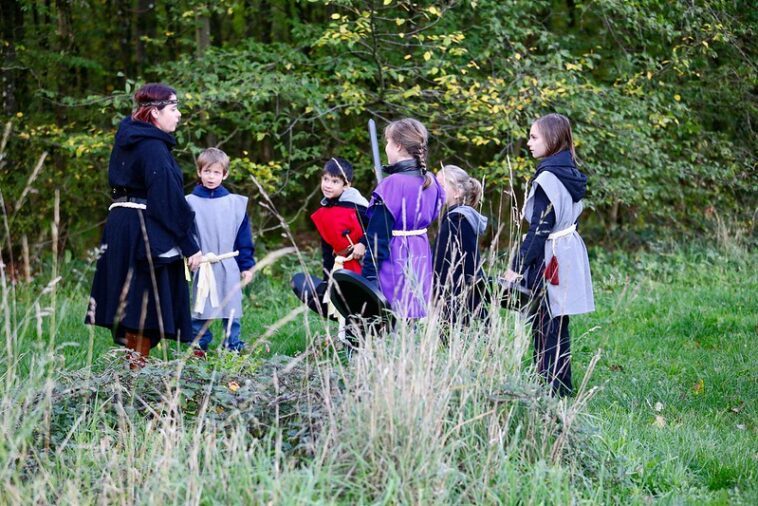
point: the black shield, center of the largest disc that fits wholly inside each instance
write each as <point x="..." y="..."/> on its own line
<point x="356" y="297"/>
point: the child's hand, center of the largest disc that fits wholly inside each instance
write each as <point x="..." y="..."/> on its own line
<point x="247" y="277"/>
<point x="511" y="276"/>
<point x="359" y="251"/>
<point x="193" y="262"/>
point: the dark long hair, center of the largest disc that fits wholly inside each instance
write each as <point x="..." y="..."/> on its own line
<point x="148" y="97"/>
<point x="556" y="129"/>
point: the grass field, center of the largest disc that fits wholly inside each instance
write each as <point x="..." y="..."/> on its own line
<point x="673" y="418"/>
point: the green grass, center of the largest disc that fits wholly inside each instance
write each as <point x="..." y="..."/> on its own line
<point x="678" y="333"/>
<point x="674" y="420"/>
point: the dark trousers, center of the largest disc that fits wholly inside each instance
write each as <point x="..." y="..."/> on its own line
<point x="552" y="349"/>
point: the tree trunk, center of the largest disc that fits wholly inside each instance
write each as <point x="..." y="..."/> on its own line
<point x="12" y="30"/>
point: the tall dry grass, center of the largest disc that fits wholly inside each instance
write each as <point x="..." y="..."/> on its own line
<point x="408" y="418"/>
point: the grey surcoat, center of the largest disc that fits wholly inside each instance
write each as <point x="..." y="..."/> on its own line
<point x="218" y="220"/>
<point x="573" y="294"/>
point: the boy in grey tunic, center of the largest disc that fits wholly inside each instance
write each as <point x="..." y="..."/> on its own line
<point x="223" y="227"/>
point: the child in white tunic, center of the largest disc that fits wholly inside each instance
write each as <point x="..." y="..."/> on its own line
<point x="223" y="229"/>
<point x="552" y="260"/>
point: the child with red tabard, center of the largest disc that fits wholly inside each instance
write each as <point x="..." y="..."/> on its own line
<point x="339" y="222"/>
<point x="339" y="219"/>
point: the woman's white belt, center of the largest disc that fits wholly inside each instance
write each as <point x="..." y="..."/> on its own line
<point x="562" y="233"/>
<point x="408" y="233"/>
<point x="129" y="205"/>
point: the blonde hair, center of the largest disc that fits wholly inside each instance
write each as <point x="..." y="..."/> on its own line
<point x="213" y="156"/>
<point x="470" y="188"/>
<point x="411" y="135"/>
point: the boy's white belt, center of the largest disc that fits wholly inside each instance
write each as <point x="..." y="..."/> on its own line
<point x="408" y="233"/>
<point x="206" y="281"/>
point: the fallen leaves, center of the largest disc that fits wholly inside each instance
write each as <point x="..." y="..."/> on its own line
<point x="699" y="387"/>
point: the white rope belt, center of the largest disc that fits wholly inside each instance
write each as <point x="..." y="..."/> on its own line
<point x="408" y="233"/>
<point x="206" y="281"/>
<point x="563" y="233"/>
<point x="128" y="205"/>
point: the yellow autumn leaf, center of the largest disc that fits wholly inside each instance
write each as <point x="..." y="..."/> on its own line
<point x="699" y="387"/>
<point x="659" y="422"/>
<point x="233" y="386"/>
<point x="335" y="16"/>
<point x="387" y="2"/>
<point x="677" y="97"/>
<point x="399" y="21"/>
<point x="427" y="56"/>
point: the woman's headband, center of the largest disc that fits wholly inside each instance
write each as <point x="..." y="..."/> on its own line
<point x="158" y="103"/>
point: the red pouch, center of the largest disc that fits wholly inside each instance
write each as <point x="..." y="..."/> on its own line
<point x="551" y="271"/>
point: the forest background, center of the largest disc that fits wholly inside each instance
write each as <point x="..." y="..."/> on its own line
<point x="661" y="94"/>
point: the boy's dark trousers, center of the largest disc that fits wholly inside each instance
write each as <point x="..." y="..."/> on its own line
<point x="552" y="351"/>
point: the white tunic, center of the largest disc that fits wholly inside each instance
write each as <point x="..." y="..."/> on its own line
<point x="573" y="294"/>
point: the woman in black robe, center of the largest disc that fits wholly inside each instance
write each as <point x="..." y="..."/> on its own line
<point x="140" y="290"/>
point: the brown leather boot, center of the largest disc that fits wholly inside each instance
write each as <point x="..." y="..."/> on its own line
<point x="137" y="351"/>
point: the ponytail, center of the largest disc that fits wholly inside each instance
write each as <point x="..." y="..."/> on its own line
<point x="470" y="189"/>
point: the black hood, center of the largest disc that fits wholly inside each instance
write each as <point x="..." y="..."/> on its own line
<point x="563" y="167"/>
<point x="131" y="132"/>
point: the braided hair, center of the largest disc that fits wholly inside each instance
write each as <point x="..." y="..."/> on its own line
<point x="411" y="135"/>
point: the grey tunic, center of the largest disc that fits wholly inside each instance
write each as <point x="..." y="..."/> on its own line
<point x="573" y="294"/>
<point x="218" y="220"/>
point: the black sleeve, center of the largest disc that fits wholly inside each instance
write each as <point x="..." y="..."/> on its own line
<point x="532" y="251"/>
<point x="470" y="248"/>
<point x="362" y="218"/>
<point x="456" y="249"/>
<point x="166" y="202"/>
<point x="441" y="257"/>
<point x="378" y="235"/>
<point x="245" y="245"/>
<point x="327" y="264"/>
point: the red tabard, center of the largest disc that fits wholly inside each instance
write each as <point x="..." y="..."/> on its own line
<point x="335" y="224"/>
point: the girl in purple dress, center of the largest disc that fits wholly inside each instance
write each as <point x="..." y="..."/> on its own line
<point x="403" y="205"/>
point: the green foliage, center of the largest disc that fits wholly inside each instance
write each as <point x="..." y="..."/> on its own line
<point x="661" y="95"/>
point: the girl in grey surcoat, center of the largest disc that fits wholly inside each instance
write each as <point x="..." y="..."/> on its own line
<point x="552" y="260"/>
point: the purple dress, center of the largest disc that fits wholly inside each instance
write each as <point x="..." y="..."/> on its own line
<point x="406" y="277"/>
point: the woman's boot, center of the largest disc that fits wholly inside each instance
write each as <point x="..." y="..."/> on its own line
<point x="136" y="353"/>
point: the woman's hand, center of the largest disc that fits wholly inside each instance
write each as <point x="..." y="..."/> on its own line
<point x="247" y="277"/>
<point x="193" y="262"/>
<point x="512" y="276"/>
<point x="359" y="251"/>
